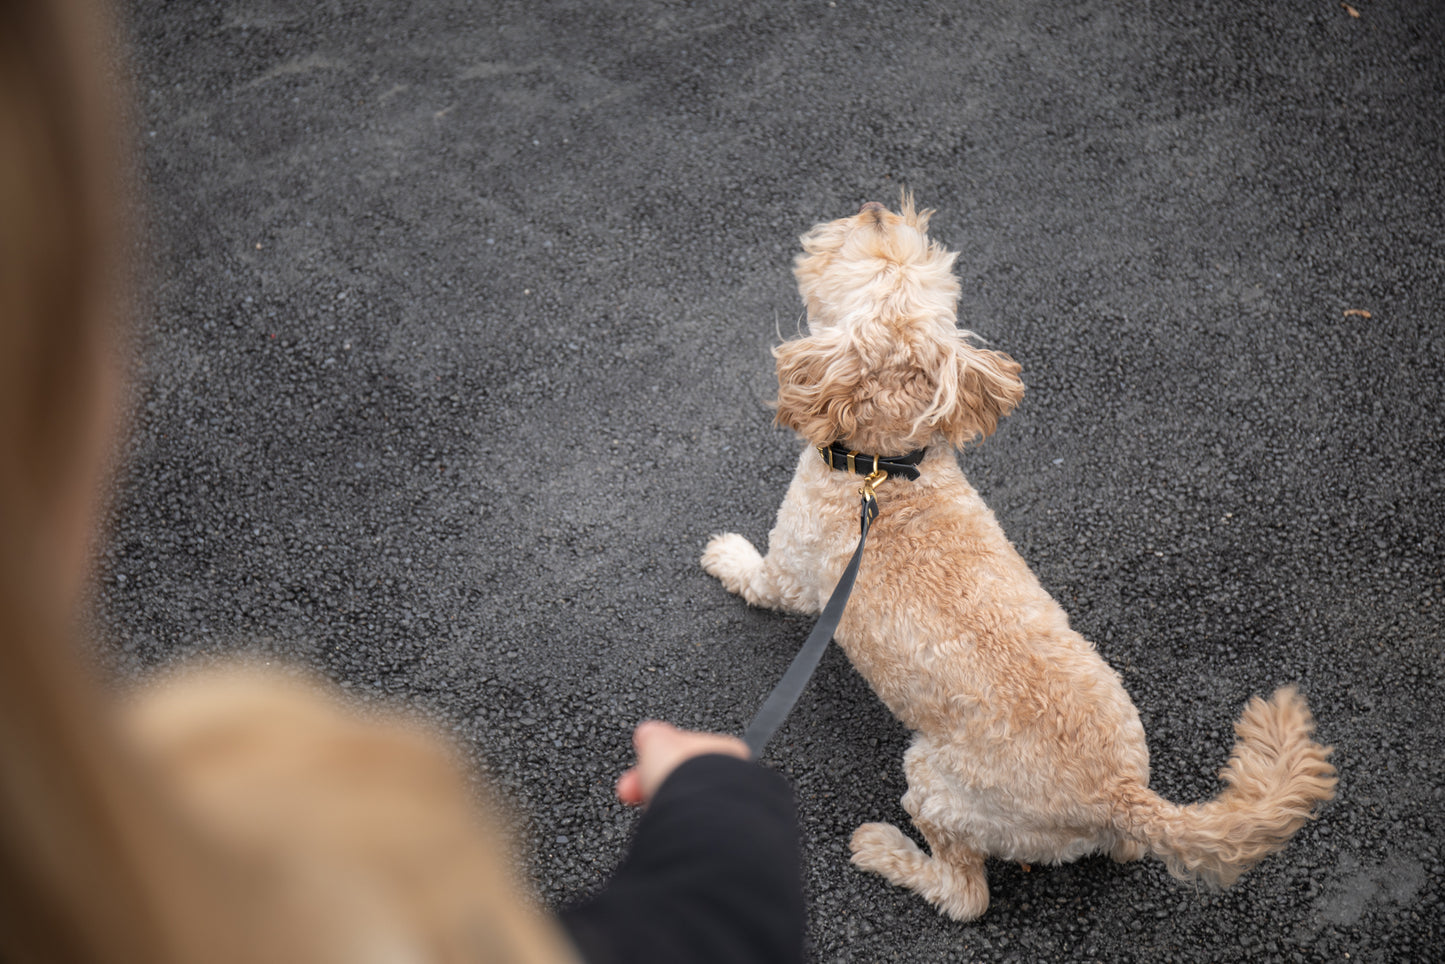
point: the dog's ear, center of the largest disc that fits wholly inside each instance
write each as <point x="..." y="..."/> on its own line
<point x="978" y="389"/>
<point x="818" y="380"/>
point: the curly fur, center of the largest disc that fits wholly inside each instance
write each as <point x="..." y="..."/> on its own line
<point x="1026" y="746"/>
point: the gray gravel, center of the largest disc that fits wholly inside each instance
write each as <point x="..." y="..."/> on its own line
<point x="457" y="311"/>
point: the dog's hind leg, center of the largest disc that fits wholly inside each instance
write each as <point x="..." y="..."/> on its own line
<point x="953" y="878"/>
<point x="1126" y="850"/>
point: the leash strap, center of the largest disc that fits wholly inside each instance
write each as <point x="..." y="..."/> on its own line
<point x="785" y="695"/>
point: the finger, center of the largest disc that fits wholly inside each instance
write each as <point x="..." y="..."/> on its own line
<point x="629" y="788"/>
<point x="648" y="731"/>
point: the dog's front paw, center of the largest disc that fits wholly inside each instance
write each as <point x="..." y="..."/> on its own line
<point x="733" y="560"/>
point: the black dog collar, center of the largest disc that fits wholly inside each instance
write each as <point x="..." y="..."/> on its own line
<point x="839" y="456"/>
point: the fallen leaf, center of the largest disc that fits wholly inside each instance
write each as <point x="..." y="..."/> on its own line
<point x="1356" y="313"/>
<point x="1351" y="10"/>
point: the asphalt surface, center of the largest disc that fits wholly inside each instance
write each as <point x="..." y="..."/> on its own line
<point x="458" y="328"/>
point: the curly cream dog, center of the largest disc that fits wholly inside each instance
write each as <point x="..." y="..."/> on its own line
<point x="1026" y="746"/>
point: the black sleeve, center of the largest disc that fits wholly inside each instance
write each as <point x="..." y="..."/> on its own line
<point x="713" y="875"/>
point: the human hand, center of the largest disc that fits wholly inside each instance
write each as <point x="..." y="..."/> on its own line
<point x="661" y="748"/>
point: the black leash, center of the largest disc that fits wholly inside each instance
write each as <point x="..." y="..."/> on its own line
<point x="785" y="695"/>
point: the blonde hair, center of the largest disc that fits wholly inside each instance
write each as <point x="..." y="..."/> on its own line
<point x="114" y="842"/>
<point x="67" y="865"/>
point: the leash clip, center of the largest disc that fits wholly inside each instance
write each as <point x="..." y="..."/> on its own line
<point x="870" y="481"/>
<point x="870" y="499"/>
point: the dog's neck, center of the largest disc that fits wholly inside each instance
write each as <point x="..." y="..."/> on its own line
<point x="839" y="456"/>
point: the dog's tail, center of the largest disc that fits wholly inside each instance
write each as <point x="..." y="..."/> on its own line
<point x="1276" y="777"/>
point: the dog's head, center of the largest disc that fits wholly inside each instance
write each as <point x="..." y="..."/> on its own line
<point x="884" y="366"/>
